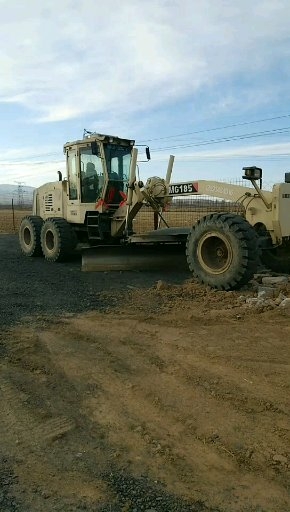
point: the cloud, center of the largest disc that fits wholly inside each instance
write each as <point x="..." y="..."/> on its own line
<point x="31" y="173"/>
<point x="63" y="60"/>
<point x="26" y="153"/>
<point x="31" y="165"/>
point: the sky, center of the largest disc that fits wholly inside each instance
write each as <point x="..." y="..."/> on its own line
<point x="205" y="80"/>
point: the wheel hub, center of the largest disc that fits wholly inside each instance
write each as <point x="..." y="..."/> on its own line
<point x="27" y="236"/>
<point x="220" y="252"/>
<point x="49" y="240"/>
<point x="215" y="253"/>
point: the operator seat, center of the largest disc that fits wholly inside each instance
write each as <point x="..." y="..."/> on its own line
<point x="90" y="188"/>
<point x="115" y="195"/>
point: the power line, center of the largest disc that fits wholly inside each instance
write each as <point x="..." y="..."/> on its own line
<point x="218" y="128"/>
<point x="207" y="142"/>
<point x="44" y="162"/>
<point x="20" y="159"/>
<point x="244" y="123"/>
<point x="57" y="153"/>
<point x="199" y="157"/>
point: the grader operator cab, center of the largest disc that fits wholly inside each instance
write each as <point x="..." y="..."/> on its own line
<point x="101" y="196"/>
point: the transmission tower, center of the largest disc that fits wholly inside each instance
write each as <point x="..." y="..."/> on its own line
<point x="20" y="193"/>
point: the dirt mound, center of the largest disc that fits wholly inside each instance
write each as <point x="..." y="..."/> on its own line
<point x="191" y="300"/>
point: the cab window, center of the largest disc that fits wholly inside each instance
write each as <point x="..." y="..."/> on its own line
<point x="72" y="176"/>
<point x="118" y="160"/>
<point x="92" y="177"/>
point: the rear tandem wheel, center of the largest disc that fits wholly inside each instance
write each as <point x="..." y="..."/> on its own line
<point x="222" y="251"/>
<point x="29" y="235"/>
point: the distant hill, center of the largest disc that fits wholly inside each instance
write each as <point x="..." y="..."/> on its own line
<point x="21" y="195"/>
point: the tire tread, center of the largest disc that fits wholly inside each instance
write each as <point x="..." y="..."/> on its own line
<point x="66" y="237"/>
<point x="36" y="223"/>
<point x="248" y="246"/>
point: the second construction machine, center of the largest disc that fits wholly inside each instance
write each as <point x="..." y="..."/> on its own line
<point x="98" y="201"/>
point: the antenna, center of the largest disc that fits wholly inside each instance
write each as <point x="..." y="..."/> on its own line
<point x="87" y="133"/>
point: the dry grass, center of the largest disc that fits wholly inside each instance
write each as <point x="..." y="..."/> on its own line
<point x="7" y="224"/>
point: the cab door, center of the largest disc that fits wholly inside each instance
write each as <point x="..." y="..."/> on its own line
<point x="73" y="191"/>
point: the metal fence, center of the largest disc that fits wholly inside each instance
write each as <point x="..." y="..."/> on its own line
<point x="184" y="212"/>
<point x="187" y="210"/>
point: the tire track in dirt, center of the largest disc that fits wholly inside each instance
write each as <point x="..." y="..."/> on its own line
<point x="219" y="381"/>
<point x="22" y="427"/>
<point x="38" y="465"/>
<point x="34" y="436"/>
<point x="133" y="400"/>
<point x="120" y="411"/>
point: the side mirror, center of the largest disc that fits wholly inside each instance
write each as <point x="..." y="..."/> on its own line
<point x="148" y="156"/>
<point x="95" y="148"/>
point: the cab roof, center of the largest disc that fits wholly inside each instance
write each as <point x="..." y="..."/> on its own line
<point x="98" y="137"/>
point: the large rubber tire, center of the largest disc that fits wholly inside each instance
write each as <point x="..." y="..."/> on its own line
<point x="222" y="251"/>
<point x="29" y="235"/>
<point x="277" y="259"/>
<point x="58" y="240"/>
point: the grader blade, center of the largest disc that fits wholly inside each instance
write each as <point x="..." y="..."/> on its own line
<point x="134" y="257"/>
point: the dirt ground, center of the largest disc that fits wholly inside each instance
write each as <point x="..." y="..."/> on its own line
<point x="174" y="398"/>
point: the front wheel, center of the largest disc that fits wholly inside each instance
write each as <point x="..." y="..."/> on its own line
<point x="222" y="251"/>
<point x="58" y="239"/>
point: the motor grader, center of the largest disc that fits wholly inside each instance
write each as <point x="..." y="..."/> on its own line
<point x="99" y="199"/>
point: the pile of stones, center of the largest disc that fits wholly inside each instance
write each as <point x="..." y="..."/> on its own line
<point x="271" y="292"/>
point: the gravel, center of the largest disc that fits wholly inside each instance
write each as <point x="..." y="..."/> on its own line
<point x="7" y="502"/>
<point x="33" y="287"/>
<point x="143" y="495"/>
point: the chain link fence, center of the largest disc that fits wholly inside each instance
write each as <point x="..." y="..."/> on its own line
<point x="184" y="212"/>
<point x="187" y="210"/>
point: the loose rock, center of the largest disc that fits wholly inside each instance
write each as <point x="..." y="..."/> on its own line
<point x="285" y="303"/>
<point x="275" y="280"/>
<point x="161" y="285"/>
<point x="254" y="301"/>
<point x="265" y="292"/>
<point x="280" y="298"/>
